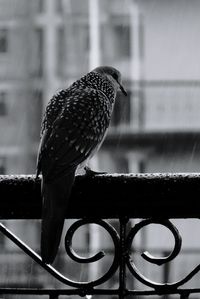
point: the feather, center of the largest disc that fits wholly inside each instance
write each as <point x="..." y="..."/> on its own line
<point x="55" y="202"/>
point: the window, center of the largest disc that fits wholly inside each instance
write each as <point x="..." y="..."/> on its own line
<point x="121" y="37"/>
<point x="3" y="40"/>
<point x="36" y="59"/>
<point x="59" y="6"/>
<point x="39" y="48"/>
<point x="40" y="6"/>
<point x="116" y="43"/>
<point x="3" y="108"/>
<point x="60" y="50"/>
<point x="36" y="6"/>
<point x="73" y="47"/>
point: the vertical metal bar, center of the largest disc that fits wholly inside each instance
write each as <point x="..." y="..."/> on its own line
<point x="122" y="265"/>
<point x="184" y="295"/>
<point x="53" y="296"/>
<point x="166" y="270"/>
<point x="94" y="245"/>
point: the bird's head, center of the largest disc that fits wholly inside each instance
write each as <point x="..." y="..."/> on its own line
<point x="113" y="75"/>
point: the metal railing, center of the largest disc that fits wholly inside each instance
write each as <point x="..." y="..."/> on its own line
<point x="154" y="198"/>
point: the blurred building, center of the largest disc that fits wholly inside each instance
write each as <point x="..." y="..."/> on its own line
<point x="47" y="44"/>
<point x="20" y="95"/>
<point x="158" y="130"/>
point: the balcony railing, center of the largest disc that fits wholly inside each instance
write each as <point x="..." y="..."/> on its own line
<point x="158" y="106"/>
<point x="152" y="198"/>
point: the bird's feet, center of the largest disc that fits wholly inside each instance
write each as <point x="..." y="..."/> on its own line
<point x="90" y="172"/>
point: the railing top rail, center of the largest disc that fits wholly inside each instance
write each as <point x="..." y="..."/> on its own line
<point x="163" y="195"/>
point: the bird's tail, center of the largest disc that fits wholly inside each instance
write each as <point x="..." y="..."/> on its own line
<point x="55" y="201"/>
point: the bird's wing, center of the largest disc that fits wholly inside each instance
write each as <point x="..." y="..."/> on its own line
<point x="77" y="130"/>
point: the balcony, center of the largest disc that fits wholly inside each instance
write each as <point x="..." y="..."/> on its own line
<point x="153" y="198"/>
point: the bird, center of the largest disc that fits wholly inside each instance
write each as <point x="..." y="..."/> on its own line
<point x="73" y="128"/>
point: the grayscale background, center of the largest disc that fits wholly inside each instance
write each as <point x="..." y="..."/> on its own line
<point x="47" y="44"/>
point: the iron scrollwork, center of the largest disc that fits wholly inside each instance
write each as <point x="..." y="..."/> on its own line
<point x="115" y="238"/>
<point x="68" y="241"/>
<point x="126" y="251"/>
<point x="157" y="260"/>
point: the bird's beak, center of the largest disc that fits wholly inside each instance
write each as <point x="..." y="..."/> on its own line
<point x="122" y="89"/>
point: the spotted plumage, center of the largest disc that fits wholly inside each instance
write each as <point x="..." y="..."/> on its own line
<point x="73" y="128"/>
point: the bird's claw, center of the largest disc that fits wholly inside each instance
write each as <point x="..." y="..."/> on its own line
<point x="90" y="172"/>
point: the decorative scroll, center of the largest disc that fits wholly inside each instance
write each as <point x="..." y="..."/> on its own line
<point x="115" y="238"/>
<point x="124" y="249"/>
<point x="112" y="232"/>
<point x="155" y="260"/>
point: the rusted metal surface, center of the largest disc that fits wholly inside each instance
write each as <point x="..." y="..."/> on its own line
<point x="108" y="196"/>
